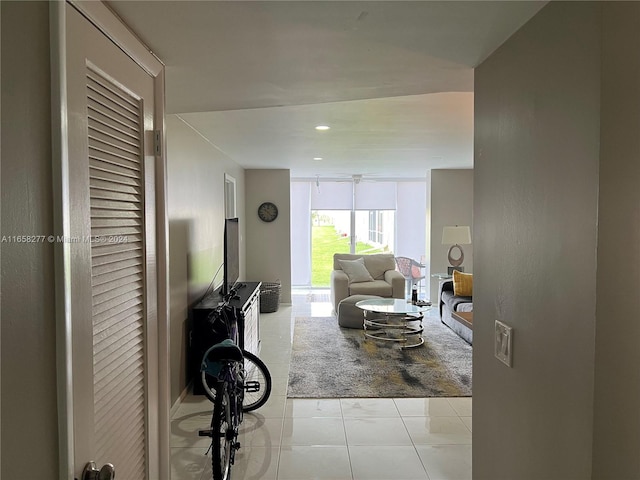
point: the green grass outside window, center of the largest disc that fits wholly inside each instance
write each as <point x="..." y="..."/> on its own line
<point x="326" y="241"/>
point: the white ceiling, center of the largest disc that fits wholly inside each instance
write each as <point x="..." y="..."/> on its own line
<point x="393" y="79"/>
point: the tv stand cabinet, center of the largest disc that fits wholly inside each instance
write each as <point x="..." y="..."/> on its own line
<point x="247" y="307"/>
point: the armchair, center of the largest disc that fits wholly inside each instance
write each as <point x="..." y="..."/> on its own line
<point x="411" y="270"/>
<point x="385" y="280"/>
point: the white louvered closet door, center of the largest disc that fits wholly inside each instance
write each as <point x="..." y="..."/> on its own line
<point x="113" y="284"/>
<point x="117" y="272"/>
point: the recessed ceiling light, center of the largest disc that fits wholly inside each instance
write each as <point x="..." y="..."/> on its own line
<point x="323" y="127"/>
<point x="317" y="158"/>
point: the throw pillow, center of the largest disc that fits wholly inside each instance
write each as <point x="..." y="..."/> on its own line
<point x="355" y="270"/>
<point x="462" y="284"/>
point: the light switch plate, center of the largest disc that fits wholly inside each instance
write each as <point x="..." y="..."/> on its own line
<point x="504" y="343"/>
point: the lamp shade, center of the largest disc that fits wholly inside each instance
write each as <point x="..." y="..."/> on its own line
<point x="456" y="235"/>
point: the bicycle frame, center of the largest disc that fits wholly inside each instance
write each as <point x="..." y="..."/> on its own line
<point x="230" y="386"/>
<point x="233" y="382"/>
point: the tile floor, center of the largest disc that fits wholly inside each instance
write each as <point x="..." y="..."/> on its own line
<point x="300" y="439"/>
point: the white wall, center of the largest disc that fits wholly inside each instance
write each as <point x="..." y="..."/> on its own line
<point x="537" y="105"/>
<point x="269" y="244"/>
<point x="29" y="417"/>
<point x="411" y="222"/>
<point x="195" y="186"/>
<point x="616" y="429"/>
<point x="301" y="233"/>
<point x="451" y="204"/>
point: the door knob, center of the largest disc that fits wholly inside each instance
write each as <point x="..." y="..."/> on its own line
<point x="91" y="472"/>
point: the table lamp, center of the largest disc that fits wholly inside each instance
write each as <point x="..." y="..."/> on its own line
<point x="456" y="236"/>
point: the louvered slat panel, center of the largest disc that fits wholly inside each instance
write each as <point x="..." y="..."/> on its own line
<point x="114" y="223"/>
<point x="115" y="196"/>
<point x="131" y="281"/>
<point x="112" y="95"/>
<point x="132" y="238"/>
<point x="109" y="338"/>
<point x="119" y="321"/>
<point x="108" y="299"/>
<point x="102" y="133"/>
<point x="119" y="318"/>
<point x="117" y="256"/>
<point x="100" y="250"/>
<point x="113" y="157"/>
<point x="114" y="179"/>
<point x="104" y="143"/>
<point x="114" y="231"/>
<point x="102" y="312"/>
<point x="125" y="392"/>
<point x="112" y="428"/>
<point x="101" y="123"/>
<point x="106" y="137"/>
<point x="113" y="110"/>
<point x="112" y="384"/>
<point x="117" y="389"/>
<point x="105" y="213"/>
<point x="97" y="114"/>
<point x="113" y="203"/>
<point x="118" y="427"/>
<point x="127" y="452"/>
<point x="113" y="276"/>
<point x="99" y="183"/>
<point x="112" y="268"/>
<point x="105" y="359"/>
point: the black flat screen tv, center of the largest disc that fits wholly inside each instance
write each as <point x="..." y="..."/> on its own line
<point x="231" y="270"/>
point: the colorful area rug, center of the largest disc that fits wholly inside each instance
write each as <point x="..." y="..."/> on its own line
<point x="332" y="362"/>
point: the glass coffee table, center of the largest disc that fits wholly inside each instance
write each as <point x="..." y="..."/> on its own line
<point x="393" y="320"/>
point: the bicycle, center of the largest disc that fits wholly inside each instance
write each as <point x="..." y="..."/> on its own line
<point x="229" y="377"/>
<point x="257" y="382"/>
<point x="257" y="378"/>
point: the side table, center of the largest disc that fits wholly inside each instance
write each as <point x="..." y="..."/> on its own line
<point x="442" y="276"/>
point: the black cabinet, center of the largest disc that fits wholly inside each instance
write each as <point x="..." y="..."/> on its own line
<point x="247" y="305"/>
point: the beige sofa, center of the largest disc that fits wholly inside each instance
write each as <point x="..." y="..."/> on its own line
<point x="385" y="281"/>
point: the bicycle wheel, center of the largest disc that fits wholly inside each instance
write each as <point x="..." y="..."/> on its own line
<point x="221" y="428"/>
<point x="257" y="382"/>
<point x="209" y="385"/>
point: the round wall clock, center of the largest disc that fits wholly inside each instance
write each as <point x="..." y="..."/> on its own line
<point x="268" y="212"/>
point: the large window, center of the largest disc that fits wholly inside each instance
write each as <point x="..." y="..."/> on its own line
<point x="380" y="225"/>
<point x="348" y="217"/>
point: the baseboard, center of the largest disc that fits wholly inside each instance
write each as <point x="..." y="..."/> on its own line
<point x="181" y="397"/>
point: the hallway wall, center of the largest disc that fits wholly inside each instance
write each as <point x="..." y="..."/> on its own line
<point x="195" y="186"/>
<point x="616" y="429"/>
<point x="269" y="244"/>
<point x="558" y="247"/>
<point x="29" y="416"/>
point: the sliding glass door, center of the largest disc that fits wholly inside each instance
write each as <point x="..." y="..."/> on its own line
<point x="347" y="217"/>
<point x="332" y="231"/>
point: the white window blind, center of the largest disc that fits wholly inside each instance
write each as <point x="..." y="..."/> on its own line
<point x="376" y="196"/>
<point x="332" y="196"/>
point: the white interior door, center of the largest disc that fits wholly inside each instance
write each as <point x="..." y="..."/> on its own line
<point x="112" y="281"/>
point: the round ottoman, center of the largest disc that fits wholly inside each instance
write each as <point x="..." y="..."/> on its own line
<point x="349" y="315"/>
